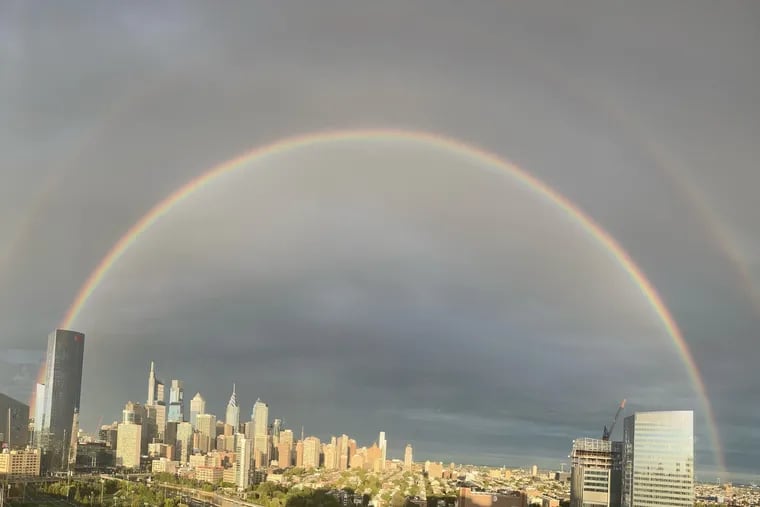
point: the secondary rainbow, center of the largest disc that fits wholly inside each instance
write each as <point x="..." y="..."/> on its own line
<point x="537" y="186"/>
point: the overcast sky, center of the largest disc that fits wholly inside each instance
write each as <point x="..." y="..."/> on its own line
<point x="397" y="286"/>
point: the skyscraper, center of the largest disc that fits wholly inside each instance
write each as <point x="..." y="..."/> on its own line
<point x="408" y="457"/>
<point x="155" y="405"/>
<point x="341" y="452"/>
<point x="260" y="416"/>
<point x="244" y="448"/>
<point x="232" y="417"/>
<point x="151" y="385"/>
<point x="184" y="447"/>
<point x="658" y="459"/>
<point x="207" y="432"/>
<point x="176" y="411"/>
<point x="383" y="445"/>
<point x="197" y="406"/>
<point x="311" y="448"/>
<point x="63" y="388"/>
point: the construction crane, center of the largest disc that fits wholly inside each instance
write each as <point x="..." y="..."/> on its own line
<point x="607" y="432"/>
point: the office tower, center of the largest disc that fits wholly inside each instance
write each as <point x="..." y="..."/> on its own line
<point x="341" y="452"/>
<point x="351" y="450"/>
<point x="260" y="417"/>
<point x="14" y="422"/>
<point x="248" y="430"/>
<point x="658" y="459"/>
<point x="311" y="448"/>
<point x="129" y="437"/>
<point x="184" y="443"/>
<point x="197" y="406"/>
<point x="151" y="385"/>
<point x="232" y="417"/>
<point x="276" y="429"/>
<point x="592" y="476"/>
<point x="284" y="455"/>
<point x="244" y="449"/>
<point x="408" y="457"/>
<point x="299" y="453"/>
<point x="286" y="437"/>
<point x="206" y="425"/>
<point x="39" y="412"/>
<point x="374" y="458"/>
<point x="63" y="387"/>
<point x="176" y="410"/>
<point x="155" y="406"/>
<point x="285" y="448"/>
<point x="383" y="445"/>
<point x="73" y="440"/>
<point x="328" y="451"/>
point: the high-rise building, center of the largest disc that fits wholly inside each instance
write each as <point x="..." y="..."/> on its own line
<point x="232" y="417"/>
<point x="14" y="423"/>
<point x="243" y="450"/>
<point x="39" y="411"/>
<point x="286" y="437"/>
<point x="276" y="429"/>
<point x="299" y="453"/>
<point x="63" y="388"/>
<point x="155" y="406"/>
<point x="260" y="418"/>
<point x="408" y="457"/>
<point x="351" y="451"/>
<point x="129" y="437"/>
<point x="594" y="473"/>
<point x="197" y="406"/>
<point x="383" y="445"/>
<point x="184" y="446"/>
<point x="328" y="451"/>
<point x="206" y="425"/>
<point x="176" y="412"/>
<point x="658" y="459"/>
<point x="151" y="385"/>
<point x="341" y="452"/>
<point x="311" y="448"/>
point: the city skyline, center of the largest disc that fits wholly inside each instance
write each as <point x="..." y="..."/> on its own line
<point x="483" y="225"/>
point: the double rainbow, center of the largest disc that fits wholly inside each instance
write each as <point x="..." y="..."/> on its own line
<point x="594" y="230"/>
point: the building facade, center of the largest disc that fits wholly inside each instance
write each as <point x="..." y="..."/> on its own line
<point x="408" y="457"/>
<point x="62" y="392"/>
<point x="592" y="476"/>
<point x="14" y="423"/>
<point x="129" y="437"/>
<point x="232" y="417"/>
<point x="19" y="463"/>
<point x="658" y="459"/>
<point x="176" y="411"/>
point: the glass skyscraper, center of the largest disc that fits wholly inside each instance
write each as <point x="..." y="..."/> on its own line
<point x="62" y="391"/>
<point x="176" y="412"/>
<point x="658" y="459"/>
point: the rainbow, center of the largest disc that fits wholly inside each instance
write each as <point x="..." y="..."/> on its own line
<point x="594" y="230"/>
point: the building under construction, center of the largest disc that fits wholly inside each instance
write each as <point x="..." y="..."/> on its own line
<point x="597" y="469"/>
<point x="596" y="473"/>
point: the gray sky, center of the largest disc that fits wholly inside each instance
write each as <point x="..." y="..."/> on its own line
<point x="391" y="285"/>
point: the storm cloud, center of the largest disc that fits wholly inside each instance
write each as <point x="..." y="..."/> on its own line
<point x="391" y="285"/>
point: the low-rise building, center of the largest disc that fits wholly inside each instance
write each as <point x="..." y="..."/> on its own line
<point x="469" y="498"/>
<point x="20" y="463"/>
<point x="209" y="474"/>
<point x="164" y="465"/>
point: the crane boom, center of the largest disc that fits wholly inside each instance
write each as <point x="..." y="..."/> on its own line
<point x="608" y="432"/>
